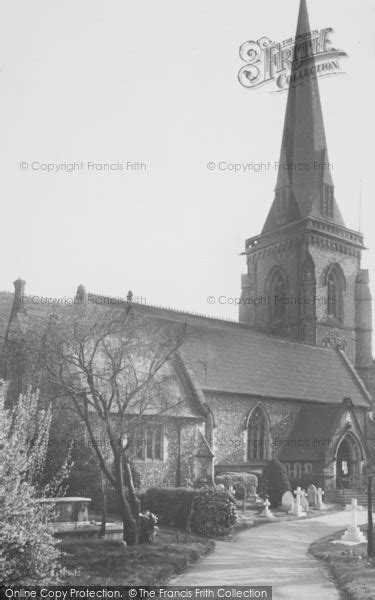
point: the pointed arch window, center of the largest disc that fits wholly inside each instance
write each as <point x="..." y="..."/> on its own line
<point x="335" y="293"/>
<point x="257" y="435"/>
<point x="277" y="293"/>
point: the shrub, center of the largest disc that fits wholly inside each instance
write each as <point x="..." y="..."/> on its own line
<point x="214" y="513"/>
<point x="171" y="505"/>
<point x="304" y="481"/>
<point x="206" y="511"/>
<point x="239" y="481"/>
<point x="26" y="536"/>
<point x="147" y="527"/>
<point x="274" y="481"/>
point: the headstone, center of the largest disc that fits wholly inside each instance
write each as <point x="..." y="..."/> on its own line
<point x="320" y="504"/>
<point x="312" y="495"/>
<point x="304" y="502"/>
<point x="297" y="510"/>
<point x="353" y="533"/>
<point x="257" y="499"/>
<point x="266" y="512"/>
<point x="287" y="502"/>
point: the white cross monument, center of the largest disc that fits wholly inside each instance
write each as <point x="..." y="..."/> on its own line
<point x="320" y="504"/>
<point x="266" y="512"/>
<point x="297" y="508"/>
<point x="353" y="533"/>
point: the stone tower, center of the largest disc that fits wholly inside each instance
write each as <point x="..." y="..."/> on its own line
<point x="304" y="279"/>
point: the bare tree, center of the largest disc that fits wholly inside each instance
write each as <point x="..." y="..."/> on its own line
<point x="114" y="369"/>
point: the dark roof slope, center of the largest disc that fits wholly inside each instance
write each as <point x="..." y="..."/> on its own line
<point x="232" y="358"/>
<point x="309" y="438"/>
<point x="6" y="303"/>
<point x="235" y="360"/>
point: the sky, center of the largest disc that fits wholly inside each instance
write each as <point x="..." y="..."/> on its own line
<point x="155" y="84"/>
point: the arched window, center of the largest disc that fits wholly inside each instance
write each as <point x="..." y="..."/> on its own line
<point x="277" y="291"/>
<point x="257" y="435"/>
<point x="335" y="293"/>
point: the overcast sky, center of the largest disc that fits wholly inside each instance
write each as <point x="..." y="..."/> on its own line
<point x="156" y="82"/>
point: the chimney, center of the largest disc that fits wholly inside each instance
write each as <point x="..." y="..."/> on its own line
<point x="19" y="305"/>
<point x="81" y="295"/>
<point x="363" y="317"/>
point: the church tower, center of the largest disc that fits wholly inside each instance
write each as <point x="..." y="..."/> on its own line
<point x="304" y="278"/>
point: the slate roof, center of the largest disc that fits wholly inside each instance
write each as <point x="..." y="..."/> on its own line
<point x="310" y="435"/>
<point x="6" y="302"/>
<point x="230" y="357"/>
<point x="237" y="360"/>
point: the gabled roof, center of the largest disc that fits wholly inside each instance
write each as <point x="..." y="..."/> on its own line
<point x="6" y="303"/>
<point x="231" y="358"/>
<point x="238" y="360"/>
<point x="311" y="437"/>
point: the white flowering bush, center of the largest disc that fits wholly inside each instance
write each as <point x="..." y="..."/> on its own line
<point x="26" y="537"/>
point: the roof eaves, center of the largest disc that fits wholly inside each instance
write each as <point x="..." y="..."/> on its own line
<point x="356" y="377"/>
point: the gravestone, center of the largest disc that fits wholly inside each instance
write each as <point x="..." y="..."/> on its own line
<point x="266" y="512"/>
<point x="320" y="504"/>
<point x="287" y="502"/>
<point x="353" y="534"/>
<point x="312" y="495"/>
<point x="304" y="502"/>
<point x="297" y="510"/>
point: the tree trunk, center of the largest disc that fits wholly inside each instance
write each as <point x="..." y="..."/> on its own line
<point x="104" y="507"/>
<point x="131" y="534"/>
<point x="133" y="500"/>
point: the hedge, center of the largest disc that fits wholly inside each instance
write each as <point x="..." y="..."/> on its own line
<point x="206" y="511"/>
<point x="239" y="481"/>
<point x="214" y="513"/>
<point x="274" y="482"/>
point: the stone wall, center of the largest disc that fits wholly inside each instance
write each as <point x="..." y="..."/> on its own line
<point x="231" y="414"/>
<point x="290" y="256"/>
<point x="180" y="436"/>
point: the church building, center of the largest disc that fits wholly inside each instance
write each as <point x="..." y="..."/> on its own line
<point x="294" y="378"/>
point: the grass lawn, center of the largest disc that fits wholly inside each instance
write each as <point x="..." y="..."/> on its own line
<point x="93" y="561"/>
<point x="353" y="572"/>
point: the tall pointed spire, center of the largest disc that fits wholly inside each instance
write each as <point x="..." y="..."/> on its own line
<point x="304" y="184"/>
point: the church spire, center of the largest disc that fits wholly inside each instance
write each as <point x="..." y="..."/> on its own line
<point x="304" y="184"/>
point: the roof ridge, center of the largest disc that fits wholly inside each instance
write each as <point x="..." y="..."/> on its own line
<point x="220" y="320"/>
<point x="355" y="376"/>
<point x="164" y="307"/>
